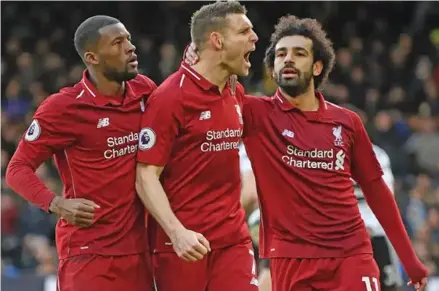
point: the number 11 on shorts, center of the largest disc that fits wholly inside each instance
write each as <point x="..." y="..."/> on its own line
<point x="368" y="282"/>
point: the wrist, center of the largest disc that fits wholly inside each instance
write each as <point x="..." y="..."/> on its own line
<point x="55" y="205"/>
<point x="173" y="229"/>
<point x="416" y="271"/>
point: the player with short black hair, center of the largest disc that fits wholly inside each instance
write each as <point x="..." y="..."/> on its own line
<point x="91" y="129"/>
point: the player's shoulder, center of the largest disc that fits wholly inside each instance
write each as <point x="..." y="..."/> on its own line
<point x="169" y="91"/>
<point x="65" y="100"/>
<point x="342" y="115"/>
<point x="142" y="85"/>
<point x="258" y="101"/>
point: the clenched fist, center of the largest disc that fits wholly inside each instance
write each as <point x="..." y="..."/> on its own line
<point x="79" y="212"/>
<point x="189" y="245"/>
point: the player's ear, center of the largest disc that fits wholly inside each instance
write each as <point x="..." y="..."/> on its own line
<point x="91" y="58"/>
<point x="317" y="68"/>
<point x="216" y="40"/>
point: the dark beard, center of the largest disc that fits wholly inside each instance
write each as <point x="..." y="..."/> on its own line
<point x="293" y="90"/>
<point x="119" y="77"/>
<point x="295" y="87"/>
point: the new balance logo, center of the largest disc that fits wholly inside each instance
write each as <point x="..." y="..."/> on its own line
<point x="205" y="115"/>
<point x="103" y="122"/>
<point x="288" y="133"/>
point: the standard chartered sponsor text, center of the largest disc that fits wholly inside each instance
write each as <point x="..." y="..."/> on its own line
<point x="217" y="140"/>
<point x="314" y="159"/>
<point x="122" y="145"/>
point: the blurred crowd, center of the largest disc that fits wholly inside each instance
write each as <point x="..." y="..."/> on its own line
<point x="387" y="66"/>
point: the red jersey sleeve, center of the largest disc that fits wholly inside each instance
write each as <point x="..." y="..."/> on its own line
<point x="365" y="166"/>
<point x="50" y="131"/>
<point x="161" y="123"/>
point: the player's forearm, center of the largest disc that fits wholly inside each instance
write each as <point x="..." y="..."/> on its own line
<point x="22" y="179"/>
<point x="383" y="205"/>
<point x="154" y="198"/>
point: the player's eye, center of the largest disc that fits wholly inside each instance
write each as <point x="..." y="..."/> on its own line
<point x="280" y="54"/>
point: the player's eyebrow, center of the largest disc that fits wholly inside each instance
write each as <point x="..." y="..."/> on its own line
<point x="121" y="37"/>
<point x="297" y="48"/>
<point x="245" y="28"/>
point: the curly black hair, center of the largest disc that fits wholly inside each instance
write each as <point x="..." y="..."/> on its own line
<point x="323" y="49"/>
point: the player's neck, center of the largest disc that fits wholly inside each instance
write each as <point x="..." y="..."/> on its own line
<point x="210" y="68"/>
<point x="305" y="102"/>
<point x="104" y="86"/>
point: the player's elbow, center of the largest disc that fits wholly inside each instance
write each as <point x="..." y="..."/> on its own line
<point x="13" y="173"/>
<point x="9" y="175"/>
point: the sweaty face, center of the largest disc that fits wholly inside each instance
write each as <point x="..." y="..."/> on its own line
<point x="293" y="64"/>
<point x="116" y="54"/>
<point x="239" y="42"/>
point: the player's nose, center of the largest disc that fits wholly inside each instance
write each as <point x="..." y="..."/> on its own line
<point x="131" y="48"/>
<point x="254" y="37"/>
<point x="289" y="58"/>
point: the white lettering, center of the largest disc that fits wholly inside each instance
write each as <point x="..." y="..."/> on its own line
<point x="314" y="158"/>
<point x="220" y="134"/>
<point x="217" y="147"/>
<point x="215" y="140"/>
<point x="115" y="141"/>
<point x="128" y="143"/>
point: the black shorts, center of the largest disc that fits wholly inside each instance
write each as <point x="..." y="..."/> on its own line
<point x="387" y="261"/>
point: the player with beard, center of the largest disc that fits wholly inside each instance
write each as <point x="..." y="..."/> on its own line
<point x="304" y="152"/>
<point x="91" y="129"/>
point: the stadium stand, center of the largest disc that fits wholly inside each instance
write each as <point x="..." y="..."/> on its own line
<point x="387" y="65"/>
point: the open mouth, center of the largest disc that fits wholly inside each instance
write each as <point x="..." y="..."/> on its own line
<point x="247" y="57"/>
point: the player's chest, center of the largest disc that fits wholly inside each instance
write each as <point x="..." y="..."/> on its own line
<point x="214" y="120"/>
<point x="111" y="132"/>
<point x="298" y="142"/>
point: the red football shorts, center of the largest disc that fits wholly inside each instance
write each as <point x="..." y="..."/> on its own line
<point x="105" y="273"/>
<point x="228" y="269"/>
<point x="356" y="273"/>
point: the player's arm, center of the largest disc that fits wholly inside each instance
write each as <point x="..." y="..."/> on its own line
<point x="48" y="133"/>
<point x="265" y="279"/>
<point x="248" y="191"/>
<point x="368" y="174"/>
<point x="160" y="126"/>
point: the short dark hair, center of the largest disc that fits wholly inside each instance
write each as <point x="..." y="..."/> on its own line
<point x="323" y="49"/>
<point x="212" y="17"/>
<point x="87" y="32"/>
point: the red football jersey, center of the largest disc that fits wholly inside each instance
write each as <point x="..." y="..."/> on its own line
<point x="194" y="132"/>
<point x="303" y="164"/>
<point x="94" y="140"/>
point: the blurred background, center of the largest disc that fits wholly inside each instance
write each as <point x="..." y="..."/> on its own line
<point x="387" y="66"/>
